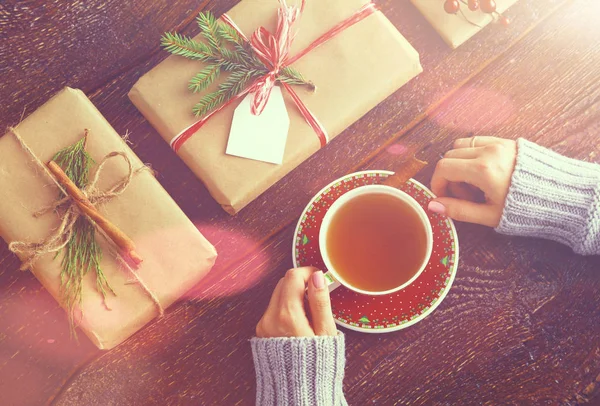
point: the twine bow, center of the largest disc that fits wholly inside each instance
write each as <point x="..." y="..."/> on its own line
<point x="61" y="236"/>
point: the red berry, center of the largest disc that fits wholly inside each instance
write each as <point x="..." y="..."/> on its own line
<point x="451" y="6"/>
<point x="504" y="21"/>
<point x="488" y="6"/>
<point x="473" y="5"/>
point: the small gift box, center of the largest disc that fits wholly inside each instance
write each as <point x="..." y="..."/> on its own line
<point x="115" y="297"/>
<point x="459" y="25"/>
<point x="360" y="60"/>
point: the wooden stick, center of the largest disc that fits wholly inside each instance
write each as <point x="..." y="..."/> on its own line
<point x="407" y="170"/>
<point x="121" y="240"/>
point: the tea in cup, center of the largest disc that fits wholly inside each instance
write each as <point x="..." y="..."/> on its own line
<point x="375" y="240"/>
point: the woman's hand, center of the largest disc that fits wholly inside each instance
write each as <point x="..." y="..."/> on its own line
<point x="473" y="179"/>
<point x="286" y="315"/>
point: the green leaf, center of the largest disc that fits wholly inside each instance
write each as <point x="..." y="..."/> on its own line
<point x="204" y="78"/>
<point x="209" y="27"/>
<point x="82" y="253"/>
<point x="181" y="45"/>
<point x="208" y="103"/>
<point x="232" y="60"/>
<point x="290" y="81"/>
<point x="75" y="162"/>
<point x="291" y="76"/>
<point x="235" y="83"/>
<point x="228" y="33"/>
<point x="248" y="56"/>
<point x="305" y="240"/>
<point x="364" y="319"/>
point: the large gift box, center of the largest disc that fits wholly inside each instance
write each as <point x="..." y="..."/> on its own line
<point x="457" y="28"/>
<point x="353" y="71"/>
<point x="175" y="255"/>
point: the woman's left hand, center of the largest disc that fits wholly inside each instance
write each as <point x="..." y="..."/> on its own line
<point x="286" y="315"/>
<point x="473" y="180"/>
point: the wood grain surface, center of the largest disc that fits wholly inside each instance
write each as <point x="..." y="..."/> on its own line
<point x="521" y="323"/>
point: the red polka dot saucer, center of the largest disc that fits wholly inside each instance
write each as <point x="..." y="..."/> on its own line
<point x="381" y="314"/>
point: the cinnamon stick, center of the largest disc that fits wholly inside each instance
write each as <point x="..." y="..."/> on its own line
<point x="407" y="170"/>
<point x="122" y="241"/>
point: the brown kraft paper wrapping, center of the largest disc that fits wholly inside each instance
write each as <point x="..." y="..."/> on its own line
<point x="353" y="72"/>
<point x="176" y="256"/>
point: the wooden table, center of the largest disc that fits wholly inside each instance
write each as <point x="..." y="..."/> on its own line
<point x="521" y="324"/>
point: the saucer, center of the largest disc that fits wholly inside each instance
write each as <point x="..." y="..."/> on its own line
<point x="381" y="314"/>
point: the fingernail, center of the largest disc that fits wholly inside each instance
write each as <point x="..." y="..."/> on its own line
<point x="318" y="280"/>
<point x="436" y="207"/>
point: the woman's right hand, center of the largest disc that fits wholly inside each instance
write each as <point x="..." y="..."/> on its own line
<point x="286" y="315"/>
<point x="473" y="179"/>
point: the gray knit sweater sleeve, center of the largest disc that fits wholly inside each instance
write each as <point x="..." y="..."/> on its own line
<point x="302" y="371"/>
<point x="554" y="197"/>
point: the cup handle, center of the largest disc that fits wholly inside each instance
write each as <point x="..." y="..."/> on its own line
<point x="331" y="282"/>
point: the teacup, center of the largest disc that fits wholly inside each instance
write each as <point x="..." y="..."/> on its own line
<point x="414" y="212"/>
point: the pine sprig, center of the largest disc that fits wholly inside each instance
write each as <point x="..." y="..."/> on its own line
<point x="82" y="253"/>
<point x="208" y="103"/>
<point x="224" y="51"/>
<point x="76" y="162"/>
<point x="235" y="84"/>
<point x="228" y="33"/>
<point x="228" y="60"/>
<point x="234" y="60"/>
<point x="209" y="27"/>
<point x="291" y="76"/>
<point x="181" y="45"/>
<point x="204" y="78"/>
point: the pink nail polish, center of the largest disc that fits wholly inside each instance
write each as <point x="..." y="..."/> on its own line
<point x="318" y="280"/>
<point x="436" y="207"/>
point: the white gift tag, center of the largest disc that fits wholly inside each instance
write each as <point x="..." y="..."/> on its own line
<point x="261" y="137"/>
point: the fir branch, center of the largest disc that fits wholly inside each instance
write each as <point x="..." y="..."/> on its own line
<point x="82" y="253"/>
<point x="233" y="60"/>
<point x="208" y="103"/>
<point x="215" y="32"/>
<point x="224" y="51"/>
<point x="291" y="76"/>
<point x="228" y="33"/>
<point x="76" y="162"/>
<point x="235" y="84"/>
<point x="241" y="54"/>
<point x="181" y="45"/>
<point x="209" y="27"/>
<point x="254" y="60"/>
<point x="227" y="59"/>
<point x="204" y="78"/>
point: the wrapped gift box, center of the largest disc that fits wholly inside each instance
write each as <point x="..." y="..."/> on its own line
<point x="353" y="72"/>
<point x="176" y="256"/>
<point x="454" y="28"/>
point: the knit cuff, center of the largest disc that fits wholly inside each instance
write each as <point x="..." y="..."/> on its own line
<point x="553" y="197"/>
<point x="299" y="370"/>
